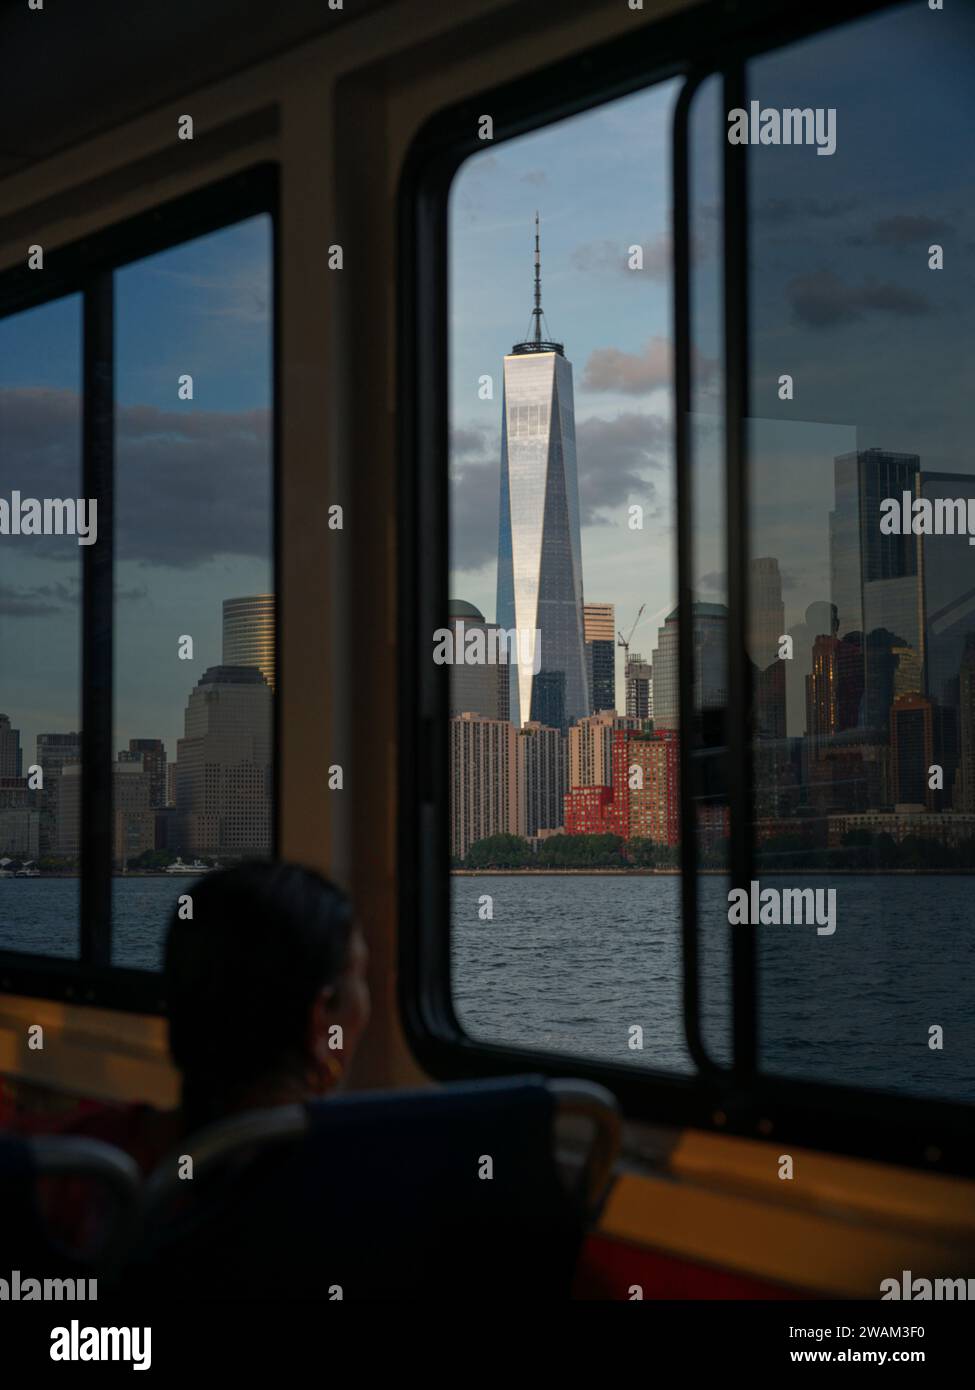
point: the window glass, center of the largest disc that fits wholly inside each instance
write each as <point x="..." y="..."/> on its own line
<point x="563" y="761"/>
<point x="863" y="630"/>
<point x="194" y="601"/>
<point x="40" y="628"/>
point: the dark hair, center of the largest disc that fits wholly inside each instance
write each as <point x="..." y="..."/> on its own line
<point x="241" y="976"/>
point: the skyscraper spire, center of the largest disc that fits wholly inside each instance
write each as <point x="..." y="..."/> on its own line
<point x="536" y="340"/>
<point x="538" y="285"/>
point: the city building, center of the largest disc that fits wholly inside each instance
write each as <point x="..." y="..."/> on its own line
<point x="483" y="780"/>
<point x="646" y="804"/>
<point x="587" y="810"/>
<point x="54" y="752"/>
<point x="152" y="751"/>
<point x="10" y="754"/>
<point x="964" y="797"/>
<point x="477" y="688"/>
<point x="248" y="633"/>
<point x="541" y="774"/>
<point x="947" y="567"/>
<point x="591" y="748"/>
<point x="599" y="631"/>
<point x="20" y="819"/>
<point x="133" y="815"/>
<point x="709" y="637"/>
<point x="539" y="546"/>
<point x="912" y="750"/>
<point x="638" y="677"/>
<point x="224" y="765"/>
<point x="874" y="576"/>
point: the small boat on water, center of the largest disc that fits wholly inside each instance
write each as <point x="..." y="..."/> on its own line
<point x="194" y="869"/>
<point x="28" y="870"/>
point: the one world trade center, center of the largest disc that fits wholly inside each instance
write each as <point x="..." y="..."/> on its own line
<point x="539" y="547"/>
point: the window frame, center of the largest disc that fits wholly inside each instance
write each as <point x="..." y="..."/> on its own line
<point x="711" y="39"/>
<point x="87" y="267"/>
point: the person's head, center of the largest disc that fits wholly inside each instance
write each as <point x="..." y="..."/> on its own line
<point x="265" y="988"/>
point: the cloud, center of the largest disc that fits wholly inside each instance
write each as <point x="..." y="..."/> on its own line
<point x="614" y="256"/>
<point x="821" y="299"/>
<point x="36" y="600"/>
<point x="778" y="211"/>
<point x="902" y="231"/>
<point x="469" y="440"/>
<point x="613" y="455"/>
<point x="192" y="484"/>
<point x="635" y="373"/>
<point x="474" y="498"/>
<point x="535" y="176"/>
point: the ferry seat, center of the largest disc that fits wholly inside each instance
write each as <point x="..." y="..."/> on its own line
<point x="69" y="1206"/>
<point x="448" y="1194"/>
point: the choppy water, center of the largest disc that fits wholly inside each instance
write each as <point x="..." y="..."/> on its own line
<point x="570" y="963"/>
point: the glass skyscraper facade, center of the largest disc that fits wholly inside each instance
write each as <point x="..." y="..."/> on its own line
<point x="539" y="549"/>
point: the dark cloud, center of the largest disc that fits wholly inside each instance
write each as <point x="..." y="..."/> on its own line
<point x="822" y="299"/>
<point x="635" y="373"/>
<point x="614" y="256"/>
<point x="778" y="211"/>
<point x="45" y="600"/>
<point x="192" y="484"/>
<point x="469" y="440"/>
<point x="903" y="231"/>
<point x="612" y="456"/>
<point x="35" y="600"/>
<point x="474" y="497"/>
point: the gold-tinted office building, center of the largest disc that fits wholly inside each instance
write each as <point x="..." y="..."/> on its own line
<point x="248" y="633"/>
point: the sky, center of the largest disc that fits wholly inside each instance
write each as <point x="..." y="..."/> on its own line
<point x="842" y="299"/>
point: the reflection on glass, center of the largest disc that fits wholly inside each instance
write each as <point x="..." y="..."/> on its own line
<point x="864" y="706"/>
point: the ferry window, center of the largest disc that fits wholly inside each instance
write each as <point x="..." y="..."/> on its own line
<point x="194" y="601"/>
<point x="861" y="312"/>
<point x="136" y="709"/>
<point x="560" y="629"/>
<point x="40" y="592"/>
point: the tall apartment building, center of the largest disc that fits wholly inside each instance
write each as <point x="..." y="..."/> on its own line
<point x="591" y="748"/>
<point x="483" y="780"/>
<point x="542" y="771"/>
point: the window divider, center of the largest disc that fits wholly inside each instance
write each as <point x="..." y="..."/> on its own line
<point x="98" y="616"/>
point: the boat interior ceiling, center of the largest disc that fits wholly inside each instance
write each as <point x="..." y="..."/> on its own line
<point x="487" y="663"/>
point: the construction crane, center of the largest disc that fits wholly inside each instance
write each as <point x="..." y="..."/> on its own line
<point x="624" y="642"/>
